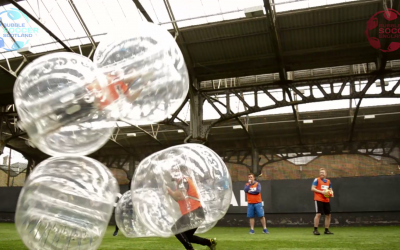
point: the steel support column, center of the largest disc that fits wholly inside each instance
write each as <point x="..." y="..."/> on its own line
<point x="131" y="167"/>
<point x="197" y="133"/>
<point x="255" y="160"/>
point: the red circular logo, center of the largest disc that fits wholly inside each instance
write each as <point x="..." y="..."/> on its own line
<point x="386" y="31"/>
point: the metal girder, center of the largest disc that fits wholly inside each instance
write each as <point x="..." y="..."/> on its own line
<point x="40" y="24"/>
<point x="273" y="27"/>
<point x="236" y="157"/>
<point x="312" y="86"/>
<point x="211" y="100"/>
<point x="364" y="91"/>
<point x="85" y="28"/>
<point x="142" y="10"/>
<point x="295" y="114"/>
<point x="179" y="37"/>
<point x="380" y="66"/>
<point x="381" y="148"/>
<point x="171" y="121"/>
<point x="153" y="136"/>
<point x="26" y="154"/>
<point x="122" y="147"/>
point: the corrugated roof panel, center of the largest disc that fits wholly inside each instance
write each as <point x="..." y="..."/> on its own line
<point x="230" y="49"/>
<point x="328" y="15"/>
<point x="225" y="30"/>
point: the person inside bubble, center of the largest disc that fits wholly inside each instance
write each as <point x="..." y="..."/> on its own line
<point x="120" y="84"/>
<point x="96" y="97"/>
<point x="187" y="197"/>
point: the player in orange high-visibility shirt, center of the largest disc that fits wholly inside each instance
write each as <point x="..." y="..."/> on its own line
<point x="117" y="87"/>
<point x="190" y="206"/>
<point x="254" y="203"/>
<point x="320" y="187"/>
<point x="96" y="96"/>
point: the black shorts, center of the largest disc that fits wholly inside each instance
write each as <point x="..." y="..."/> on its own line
<point x="322" y="207"/>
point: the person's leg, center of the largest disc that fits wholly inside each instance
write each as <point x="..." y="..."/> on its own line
<point x="327" y="211"/>
<point x="196" y="239"/>
<point x="252" y="223"/>
<point x="116" y="231"/>
<point x="182" y="236"/>
<point x="250" y="215"/>
<point x="260" y="214"/>
<point x="263" y="223"/>
<point x="327" y="221"/>
<point x="184" y="240"/>
<point x="316" y="220"/>
<point x="319" y="209"/>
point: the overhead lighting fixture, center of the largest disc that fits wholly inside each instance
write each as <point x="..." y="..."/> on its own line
<point x="180" y="131"/>
<point x="369" y="117"/>
<point x="308" y="121"/>
<point x="319" y="152"/>
<point x="256" y="11"/>
<point x="131" y="134"/>
<point x="237" y="127"/>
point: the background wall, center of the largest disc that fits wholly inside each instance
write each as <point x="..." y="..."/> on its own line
<point x="336" y="165"/>
<point x="358" y="200"/>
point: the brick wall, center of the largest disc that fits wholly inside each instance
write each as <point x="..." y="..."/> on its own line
<point x="336" y="166"/>
<point x="17" y="181"/>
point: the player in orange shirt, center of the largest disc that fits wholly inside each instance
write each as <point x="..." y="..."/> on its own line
<point x="254" y="203"/>
<point x="320" y="187"/>
<point x="190" y="206"/>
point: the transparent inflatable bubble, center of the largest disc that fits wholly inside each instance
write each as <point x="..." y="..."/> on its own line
<point x="66" y="203"/>
<point x="148" y="68"/>
<point x="59" y="99"/>
<point x="205" y="227"/>
<point x="127" y="221"/>
<point x="181" y="188"/>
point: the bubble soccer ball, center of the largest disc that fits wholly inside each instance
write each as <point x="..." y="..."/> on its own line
<point x="66" y="203"/>
<point x="181" y="188"/>
<point x="57" y="97"/>
<point x="127" y="221"/>
<point x="205" y="227"/>
<point x="148" y="69"/>
<point x="384" y="32"/>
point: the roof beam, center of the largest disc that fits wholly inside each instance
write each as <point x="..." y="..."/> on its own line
<point x="40" y="25"/>
<point x="181" y="38"/>
<point x="147" y="133"/>
<point x="85" y="28"/>
<point x="353" y="124"/>
<point x="267" y="88"/>
<point x="142" y="10"/>
<point x="211" y="100"/>
<point x="273" y="27"/>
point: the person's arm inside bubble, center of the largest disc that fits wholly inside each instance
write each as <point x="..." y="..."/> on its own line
<point x="178" y="194"/>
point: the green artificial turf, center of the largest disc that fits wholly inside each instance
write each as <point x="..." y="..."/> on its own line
<point x="385" y="238"/>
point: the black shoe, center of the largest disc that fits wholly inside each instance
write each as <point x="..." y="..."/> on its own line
<point x="115" y="233"/>
<point x="328" y="232"/>
<point x="316" y="232"/>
